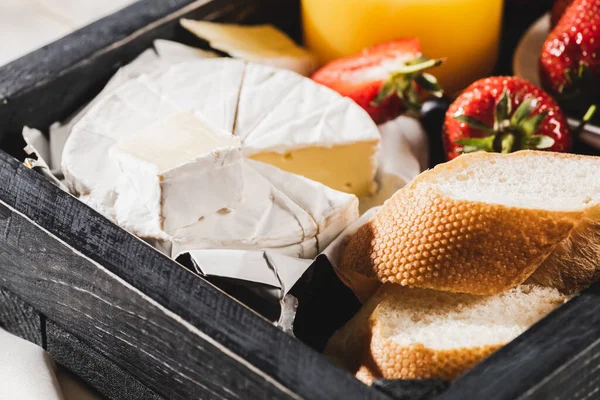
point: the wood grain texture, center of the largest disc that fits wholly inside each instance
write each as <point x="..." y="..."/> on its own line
<point x="563" y="347"/>
<point x="92" y="368"/>
<point x="120" y="323"/>
<point x="19" y="318"/>
<point x="128" y="328"/>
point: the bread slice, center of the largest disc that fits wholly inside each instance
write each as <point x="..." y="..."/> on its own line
<point x="483" y="223"/>
<point x="403" y="333"/>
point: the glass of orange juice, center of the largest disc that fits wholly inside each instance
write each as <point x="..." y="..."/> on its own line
<point x="465" y="32"/>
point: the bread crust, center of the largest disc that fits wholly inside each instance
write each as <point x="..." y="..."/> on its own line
<point x="372" y="349"/>
<point x="361" y="348"/>
<point x="575" y="262"/>
<point x="423" y="238"/>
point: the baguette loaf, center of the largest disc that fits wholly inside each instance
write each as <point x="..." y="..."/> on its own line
<point x="403" y="333"/>
<point x="484" y="223"/>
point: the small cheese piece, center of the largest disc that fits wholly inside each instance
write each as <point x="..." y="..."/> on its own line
<point x="277" y="210"/>
<point x="170" y="52"/>
<point x="266" y="218"/>
<point x="331" y="210"/>
<point x="262" y="44"/>
<point x="175" y="172"/>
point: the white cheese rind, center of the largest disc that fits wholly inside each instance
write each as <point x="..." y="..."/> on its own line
<point x="175" y="172"/>
<point x="298" y="113"/>
<point x="253" y="99"/>
<point x="210" y="87"/>
<point x="266" y="218"/>
<point x="331" y="210"/>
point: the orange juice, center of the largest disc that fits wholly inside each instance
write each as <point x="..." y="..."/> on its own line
<point x="466" y="32"/>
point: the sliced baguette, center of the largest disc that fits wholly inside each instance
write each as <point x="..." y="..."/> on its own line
<point x="403" y="333"/>
<point x="483" y="223"/>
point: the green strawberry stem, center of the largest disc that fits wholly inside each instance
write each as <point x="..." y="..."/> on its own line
<point x="589" y="114"/>
<point x="512" y="131"/>
<point x="406" y="81"/>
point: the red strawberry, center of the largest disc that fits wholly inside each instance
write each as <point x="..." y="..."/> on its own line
<point x="384" y="79"/>
<point x="558" y="9"/>
<point x="504" y="114"/>
<point x="570" y="60"/>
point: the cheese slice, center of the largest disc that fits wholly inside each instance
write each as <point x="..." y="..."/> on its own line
<point x="307" y="129"/>
<point x="331" y="210"/>
<point x="275" y="114"/>
<point x="262" y="44"/>
<point x="266" y="218"/>
<point x="280" y="211"/>
<point x="161" y="167"/>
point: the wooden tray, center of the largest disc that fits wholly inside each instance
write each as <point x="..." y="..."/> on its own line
<point x="134" y="324"/>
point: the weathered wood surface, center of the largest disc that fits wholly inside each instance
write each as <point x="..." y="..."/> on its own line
<point x="223" y="350"/>
<point x="92" y="368"/>
<point x="556" y="358"/>
<point x="19" y="318"/>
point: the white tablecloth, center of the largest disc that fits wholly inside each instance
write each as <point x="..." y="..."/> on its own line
<point x="28" y="372"/>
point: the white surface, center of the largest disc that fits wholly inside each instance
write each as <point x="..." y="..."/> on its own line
<point x="26" y="371"/>
<point x="26" y="25"/>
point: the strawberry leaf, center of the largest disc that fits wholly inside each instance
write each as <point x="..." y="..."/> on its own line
<point x="410" y="99"/>
<point x="502" y="110"/>
<point x="429" y="83"/>
<point x="473" y="123"/>
<point x="532" y="124"/>
<point x="539" y="142"/>
<point x="522" y="112"/>
<point x="388" y="88"/>
<point x="507" y="143"/>
<point x="418" y="66"/>
<point x="471" y="145"/>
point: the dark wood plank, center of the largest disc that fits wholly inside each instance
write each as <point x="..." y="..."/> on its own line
<point x="19" y="318"/>
<point x="230" y="345"/>
<point x="563" y="347"/>
<point x="173" y="359"/>
<point x="92" y="368"/>
<point x="578" y="379"/>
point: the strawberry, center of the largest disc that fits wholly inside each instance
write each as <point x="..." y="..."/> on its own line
<point x="558" y="9"/>
<point x="384" y="79"/>
<point x="570" y="60"/>
<point x="504" y="114"/>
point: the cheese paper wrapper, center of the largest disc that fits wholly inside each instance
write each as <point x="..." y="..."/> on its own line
<point x="403" y="156"/>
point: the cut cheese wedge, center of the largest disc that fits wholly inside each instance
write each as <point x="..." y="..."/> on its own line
<point x="163" y="162"/>
<point x="272" y="112"/>
<point x="262" y="44"/>
<point x="304" y="128"/>
<point x="279" y="211"/>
